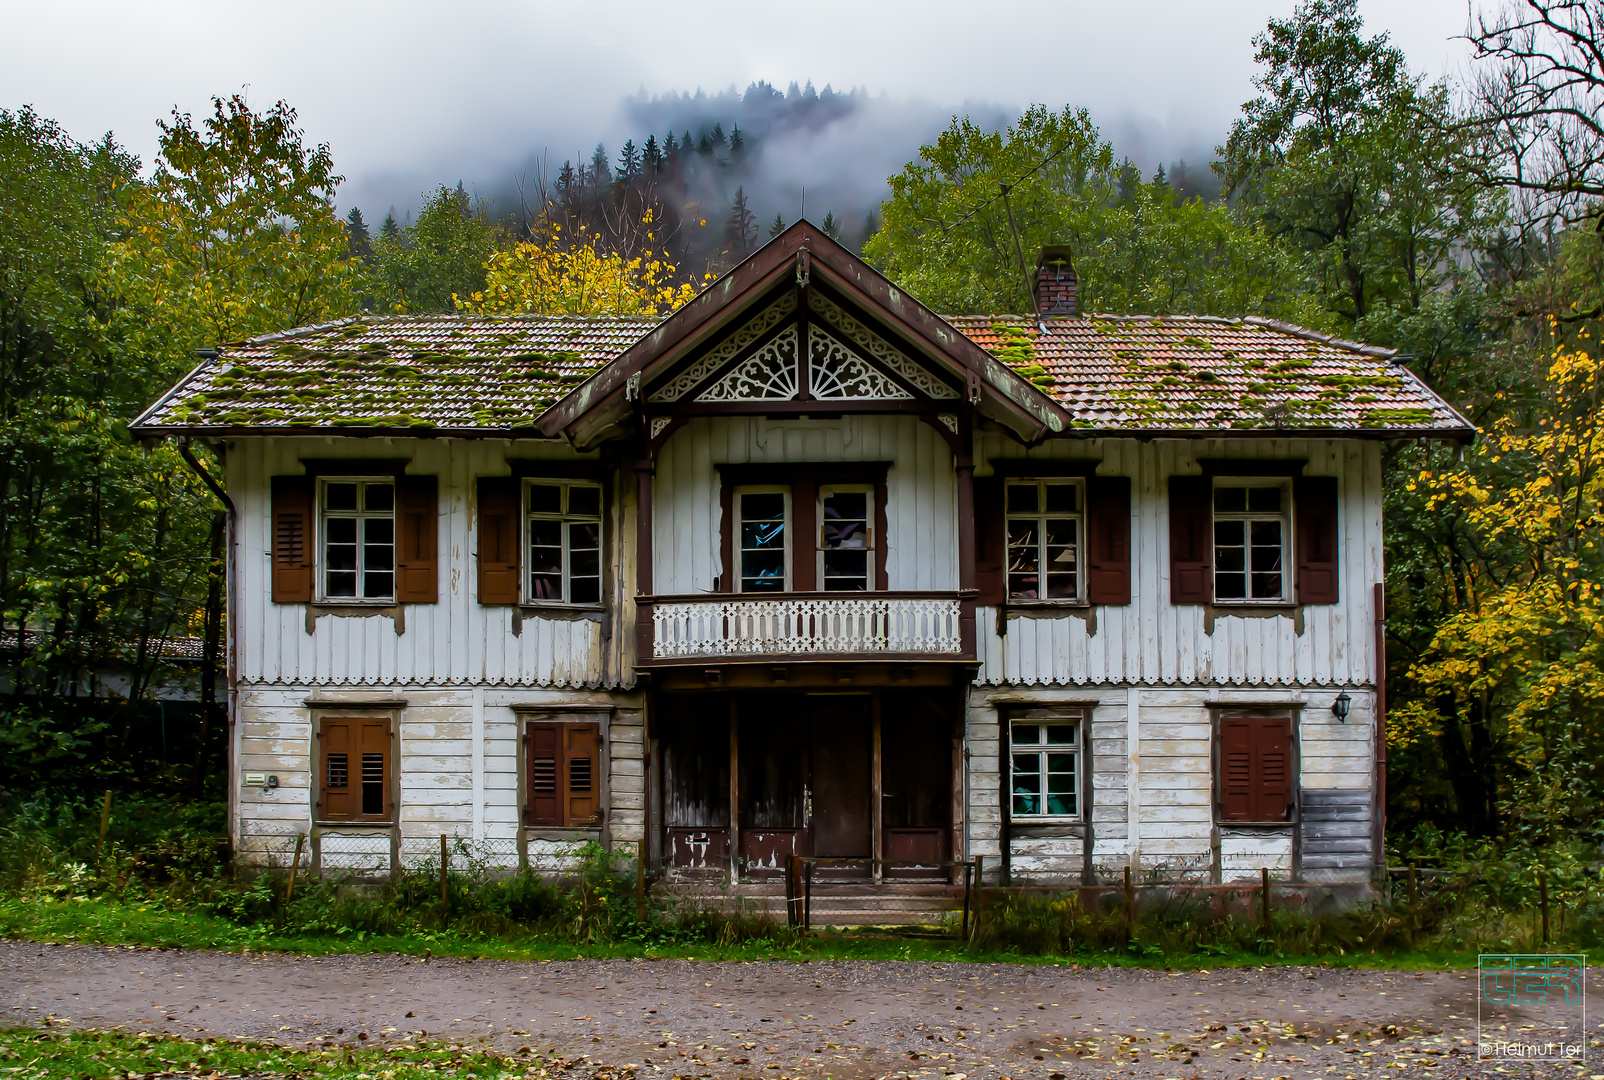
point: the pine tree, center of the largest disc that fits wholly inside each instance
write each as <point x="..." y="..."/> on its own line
<point x="740" y="229"/>
<point x="687" y="144"/>
<point x="670" y="147"/>
<point x="776" y="227"/>
<point x="871" y="223"/>
<point x="830" y="226"/>
<point x="705" y="146"/>
<point x="357" y="239"/>
<point x="461" y="195"/>
<point x="737" y="140"/>
<point x="391" y="228"/>
<point x="599" y="168"/>
<point x="651" y="156"/>
<point x="565" y="179"/>
<point x="718" y="135"/>
<point x="628" y="161"/>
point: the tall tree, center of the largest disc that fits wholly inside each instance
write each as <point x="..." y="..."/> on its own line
<point x="740" y="228"/>
<point x="358" y="243"/>
<point x="777" y="226"/>
<point x="440" y="257"/>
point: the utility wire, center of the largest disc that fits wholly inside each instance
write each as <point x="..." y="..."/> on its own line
<point x="1027" y="174"/>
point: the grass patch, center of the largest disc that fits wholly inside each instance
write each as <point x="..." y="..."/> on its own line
<point x="34" y="1055"/>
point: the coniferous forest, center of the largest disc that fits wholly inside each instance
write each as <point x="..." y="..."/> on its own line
<point x="1460" y="222"/>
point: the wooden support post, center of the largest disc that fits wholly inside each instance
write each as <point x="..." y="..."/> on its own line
<point x="876" y="844"/>
<point x="1264" y="897"/>
<point x="445" y="858"/>
<point x="807" y="900"/>
<point x="1130" y="903"/>
<point x="790" y="890"/>
<point x="105" y="824"/>
<point x="295" y="864"/>
<point x="640" y="879"/>
<point x="1542" y="896"/>
<point x="968" y="900"/>
<point x="980" y="893"/>
<point x="735" y="792"/>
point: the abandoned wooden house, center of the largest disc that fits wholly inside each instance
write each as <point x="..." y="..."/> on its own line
<point x="808" y="568"/>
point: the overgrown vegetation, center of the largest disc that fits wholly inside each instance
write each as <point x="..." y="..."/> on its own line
<point x="33" y="1053"/>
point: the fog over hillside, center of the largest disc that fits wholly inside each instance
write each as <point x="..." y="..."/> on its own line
<point x="830" y="150"/>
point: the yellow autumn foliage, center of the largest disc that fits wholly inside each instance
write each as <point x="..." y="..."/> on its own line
<point x="549" y="277"/>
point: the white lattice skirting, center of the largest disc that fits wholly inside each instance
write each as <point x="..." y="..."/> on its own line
<point x="774" y="627"/>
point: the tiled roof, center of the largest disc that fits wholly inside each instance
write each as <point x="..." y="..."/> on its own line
<point x="494" y="374"/>
<point x="173" y="648"/>
<point x="1205" y="374"/>
<point x="448" y="372"/>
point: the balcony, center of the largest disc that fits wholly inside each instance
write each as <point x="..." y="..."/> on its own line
<point x="804" y="626"/>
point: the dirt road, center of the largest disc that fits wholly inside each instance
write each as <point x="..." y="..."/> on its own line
<point x="668" y="1018"/>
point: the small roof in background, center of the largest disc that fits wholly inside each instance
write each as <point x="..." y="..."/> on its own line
<point x="1193" y="374"/>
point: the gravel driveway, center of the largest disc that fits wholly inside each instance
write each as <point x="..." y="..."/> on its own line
<point x="667" y="1018"/>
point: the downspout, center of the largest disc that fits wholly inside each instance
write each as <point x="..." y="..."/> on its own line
<point x="230" y="574"/>
<point x="1380" y="604"/>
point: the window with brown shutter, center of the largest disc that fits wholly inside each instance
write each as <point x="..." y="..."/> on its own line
<point x="417" y="510"/>
<point x="498" y="540"/>
<point x="1191" y="545"/>
<point x="1315" y="504"/>
<point x="563" y="774"/>
<point x="354" y="770"/>
<point x="292" y="539"/>
<point x="1108" y="540"/>
<point x="1256" y="768"/>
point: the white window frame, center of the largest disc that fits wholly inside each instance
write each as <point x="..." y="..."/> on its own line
<point x="1042" y="750"/>
<point x="736" y="549"/>
<point x="826" y="490"/>
<point x="1284" y="517"/>
<point x="565" y="518"/>
<point x="321" y="534"/>
<point x="1040" y="517"/>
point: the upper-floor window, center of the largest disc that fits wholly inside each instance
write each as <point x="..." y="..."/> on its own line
<point x="1251" y="533"/>
<point x="846" y="537"/>
<point x="1045" y="768"/>
<point x="763" y="520"/>
<point x="1044" y="531"/>
<point x="564" y="531"/>
<point x="358" y="532"/>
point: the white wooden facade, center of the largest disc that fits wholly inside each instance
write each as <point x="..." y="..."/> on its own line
<point x="455" y="674"/>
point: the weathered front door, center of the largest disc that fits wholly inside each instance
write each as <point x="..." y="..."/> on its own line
<point x="840" y="788"/>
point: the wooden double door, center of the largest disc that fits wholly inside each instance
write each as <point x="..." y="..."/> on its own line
<point x="839" y="776"/>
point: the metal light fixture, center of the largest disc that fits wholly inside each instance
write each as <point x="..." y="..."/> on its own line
<point x="1340" y="707"/>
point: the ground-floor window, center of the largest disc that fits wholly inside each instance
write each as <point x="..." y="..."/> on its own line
<point x="562" y="778"/>
<point x="1044" y="757"/>
<point x="354" y="770"/>
<point x="1256" y="768"/>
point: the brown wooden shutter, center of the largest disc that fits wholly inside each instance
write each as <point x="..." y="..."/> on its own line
<point x="375" y="766"/>
<point x="991" y="541"/>
<point x="1272" y="782"/>
<point x="293" y="539"/>
<point x="1236" y="768"/>
<point x="543" y="775"/>
<point x="1191" y="540"/>
<point x="417" y="509"/>
<point x="1315" y="504"/>
<point x="582" y="773"/>
<point x="498" y="540"/>
<point x="339" y="775"/>
<point x="1108" y="540"/>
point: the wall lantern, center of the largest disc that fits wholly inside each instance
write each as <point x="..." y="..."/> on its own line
<point x="1340" y="707"/>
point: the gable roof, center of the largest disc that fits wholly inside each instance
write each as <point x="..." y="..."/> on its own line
<point x="1198" y="374"/>
<point x="458" y="374"/>
<point x="532" y="376"/>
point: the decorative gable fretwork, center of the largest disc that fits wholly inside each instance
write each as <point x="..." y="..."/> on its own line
<point x="836" y="372"/>
<point x="769" y="374"/>
<point x="882" y="351"/>
<point x="725" y="351"/>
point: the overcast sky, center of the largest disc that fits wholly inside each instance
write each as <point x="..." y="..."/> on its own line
<point x="409" y="94"/>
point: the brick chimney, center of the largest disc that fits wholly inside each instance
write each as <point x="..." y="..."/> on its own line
<point x="1057" y="288"/>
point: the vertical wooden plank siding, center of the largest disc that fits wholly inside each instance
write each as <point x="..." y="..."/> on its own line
<point x="1156" y="643"/>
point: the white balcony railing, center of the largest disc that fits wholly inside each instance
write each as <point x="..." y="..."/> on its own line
<point x="731" y="626"/>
